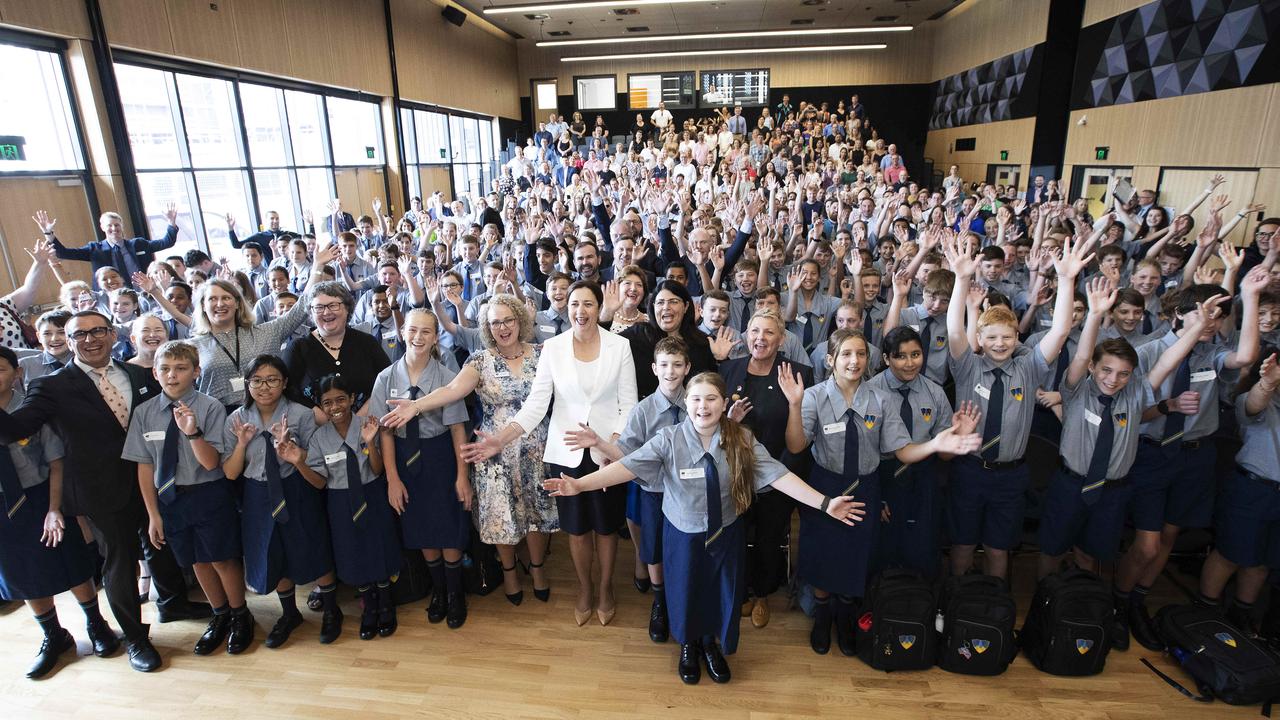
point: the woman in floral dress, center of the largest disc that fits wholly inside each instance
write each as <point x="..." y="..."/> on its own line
<point x="510" y="504"/>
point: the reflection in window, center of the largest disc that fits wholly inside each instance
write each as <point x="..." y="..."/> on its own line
<point x="209" y="115"/>
<point x="36" y="109"/>
<point x="263" y="108"/>
<point x="353" y="125"/>
<point x="147" y="96"/>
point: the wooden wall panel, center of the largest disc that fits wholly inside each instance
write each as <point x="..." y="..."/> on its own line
<point x="65" y="200"/>
<point x="263" y="43"/>
<point x="433" y="178"/>
<point x="206" y="31"/>
<point x="1098" y="10"/>
<point x="1012" y="135"/>
<point x="979" y="31"/>
<point x="139" y="25"/>
<point x="60" y="17"/>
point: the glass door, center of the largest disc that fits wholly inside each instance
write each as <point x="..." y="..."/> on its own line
<point x="1091" y="183"/>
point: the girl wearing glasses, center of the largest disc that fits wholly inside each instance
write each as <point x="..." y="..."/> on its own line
<point x="333" y="348"/>
<point x="426" y="484"/>
<point x="284" y="529"/>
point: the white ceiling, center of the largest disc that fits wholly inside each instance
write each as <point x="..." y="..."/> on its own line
<point x="723" y="15"/>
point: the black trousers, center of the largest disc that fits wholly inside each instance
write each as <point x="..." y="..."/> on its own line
<point x="768" y="522"/>
<point x="122" y="540"/>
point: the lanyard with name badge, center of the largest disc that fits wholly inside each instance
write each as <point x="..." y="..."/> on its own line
<point x="237" y="383"/>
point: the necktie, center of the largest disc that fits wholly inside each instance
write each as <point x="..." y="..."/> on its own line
<point x="377" y="332"/>
<point x="777" y="281"/>
<point x="111" y="395"/>
<point x="466" y="283"/>
<point x="173" y="328"/>
<point x="355" y="488"/>
<point x="275" y="487"/>
<point x="411" y="428"/>
<point x="295" y="283"/>
<point x="559" y="325"/>
<point x="125" y="263"/>
<point x="866" y="324"/>
<point x="926" y="340"/>
<point x="807" y="337"/>
<point x="14" y="496"/>
<point x="675" y="414"/>
<point x="905" y="410"/>
<point x="167" y="469"/>
<point x="747" y="311"/>
<point x="994" y="417"/>
<point x="1062" y="363"/>
<point x="1147" y="327"/>
<point x="715" y="521"/>
<point x="1096" y="477"/>
<point x="1176" y="422"/>
<point x="851" y="465"/>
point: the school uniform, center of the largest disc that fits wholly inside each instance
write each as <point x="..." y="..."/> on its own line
<point x="644" y="507"/>
<point x="833" y="556"/>
<point x="549" y="323"/>
<point x="39" y="365"/>
<point x="703" y="538"/>
<point x="28" y="569"/>
<point x="741" y="308"/>
<point x="1173" y="474"/>
<point x="299" y="276"/>
<point x="1085" y="504"/>
<point x="1136" y="339"/>
<point x="425" y="459"/>
<point x="364" y="305"/>
<point x="198" y="507"/>
<point x="988" y="489"/>
<point x="1247" y="523"/>
<point x="1044" y="422"/>
<point x="911" y="536"/>
<point x="265" y="308"/>
<point x="472" y="278"/>
<point x="283" y="525"/>
<point x="361" y="525"/>
<point x="933" y="341"/>
<point x="357" y="272"/>
<point x="812" y="318"/>
<point x="872" y="322"/>
<point x="387" y="333"/>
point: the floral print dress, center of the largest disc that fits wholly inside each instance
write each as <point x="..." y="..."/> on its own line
<point x="510" y="501"/>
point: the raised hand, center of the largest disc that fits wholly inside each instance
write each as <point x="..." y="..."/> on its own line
<point x="1075" y="256"/>
<point x="1101" y="293"/>
<point x="966" y="417"/>
<point x="231" y="222"/>
<point x="42" y="252"/>
<point x="902" y="281"/>
<point x="244" y="432"/>
<point x="45" y="222"/>
<point x="739" y="409"/>
<point x="1270" y="370"/>
<point x="369" y="430"/>
<point x="1231" y="257"/>
<point x="326" y="253"/>
<point x="1255" y="281"/>
<point x="581" y="439"/>
<point x="791" y="384"/>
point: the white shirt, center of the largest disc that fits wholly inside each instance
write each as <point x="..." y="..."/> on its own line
<point x="116" y="376"/>
<point x="661" y="118"/>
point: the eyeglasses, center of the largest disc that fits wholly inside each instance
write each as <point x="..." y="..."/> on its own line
<point x="449" y="286"/>
<point x="326" y="308"/>
<point x="503" y="324"/>
<point x="1260" y="234"/>
<point x="270" y="382"/>
<point x="97" y="333"/>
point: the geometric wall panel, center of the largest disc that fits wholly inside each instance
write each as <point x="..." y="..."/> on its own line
<point x="1003" y="89"/>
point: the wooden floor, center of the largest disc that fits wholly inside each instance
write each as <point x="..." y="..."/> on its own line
<point x="533" y="662"/>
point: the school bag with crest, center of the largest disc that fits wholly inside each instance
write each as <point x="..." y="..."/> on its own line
<point x="1068" y="627"/>
<point x="896" y="626"/>
<point x="976" y="620"/>
<point x="1225" y="663"/>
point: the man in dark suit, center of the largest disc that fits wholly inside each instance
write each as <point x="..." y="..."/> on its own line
<point x="89" y="402"/>
<point x="125" y="255"/>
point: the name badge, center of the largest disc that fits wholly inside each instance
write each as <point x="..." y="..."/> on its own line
<point x="693" y="474"/>
<point x="142" y="391"/>
<point x="153" y="436"/>
<point x="1092" y="418"/>
<point x="833" y="428"/>
<point x="1046" y="321"/>
<point x="237" y="384"/>
<point x="802" y="319"/>
<point x="1204" y="376"/>
<point x="915" y="326"/>
<point x="549" y="329"/>
<point x="395" y="393"/>
<point x="982" y="392"/>
<point x="334" y="458"/>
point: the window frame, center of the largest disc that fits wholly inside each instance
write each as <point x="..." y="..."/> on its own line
<point x="577" y="101"/>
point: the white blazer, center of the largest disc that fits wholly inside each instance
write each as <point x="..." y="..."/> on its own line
<point x="605" y="409"/>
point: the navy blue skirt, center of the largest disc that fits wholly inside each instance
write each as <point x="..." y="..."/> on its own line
<point x="433" y="518"/>
<point x="910" y="538"/>
<point x="370" y="552"/>
<point x="833" y="556"/>
<point x="298" y="549"/>
<point x="705" y="584"/>
<point x="202" y="525"/>
<point x="598" y="511"/>
<point x="28" y="569"/>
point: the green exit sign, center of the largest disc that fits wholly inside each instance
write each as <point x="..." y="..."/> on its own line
<point x="369" y="151"/>
<point x="1004" y="154"/>
<point x="12" y="147"/>
<point x="1100" y="153"/>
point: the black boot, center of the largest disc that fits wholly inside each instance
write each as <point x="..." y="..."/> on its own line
<point x="51" y="648"/>
<point x="439" y="607"/>
<point x="717" y="666"/>
<point x="820" y="635"/>
<point x="690" y="667"/>
<point x="387" y="622"/>
<point x="659" y="630"/>
<point x="214" y="635"/>
<point x="1143" y="627"/>
<point x="845" y="609"/>
<point x="456" y="615"/>
<point x="369" y="614"/>
<point x="242" y="630"/>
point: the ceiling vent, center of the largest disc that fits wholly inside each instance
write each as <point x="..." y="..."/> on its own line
<point x="625" y="11"/>
<point x="558" y="33"/>
<point x="638" y="28"/>
<point x="537" y="16"/>
<point x="802" y="21"/>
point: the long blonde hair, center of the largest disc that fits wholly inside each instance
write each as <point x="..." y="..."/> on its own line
<point x="200" y="319"/>
<point x="739" y="447"/>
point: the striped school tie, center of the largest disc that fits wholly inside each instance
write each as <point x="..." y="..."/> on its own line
<point x="1176" y="422"/>
<point x="355" y="489"/>
<point x="275" y="487"/>
<point x="715" y="520"/>
<point x="14" y="495"/>
<point x="994" y="417"/>
<point x="167" y="469"/>
<point x="1096" y="477"/>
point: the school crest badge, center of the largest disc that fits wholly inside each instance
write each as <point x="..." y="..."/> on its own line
<point x="1225" y="639"/>
<point x="939" y="342"/>
<point x="869" y="421"/>
<point x="1016" y="393"/>
<point x="980" y="646"/>
<point x="1122" y="419"/>
<point x="926" y="414"/>
<point x="906" y="641"/>
<point x="1083" y="646"/>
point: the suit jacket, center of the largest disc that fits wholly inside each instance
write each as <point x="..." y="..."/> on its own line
<point x="100" y="253"/>
<point x="95" y="478"/>
<point x="734" y="372"/>
<point x="605" y="408"/>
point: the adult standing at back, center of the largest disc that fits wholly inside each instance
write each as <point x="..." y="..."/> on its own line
<point x="128" y="255"/>
<point x="89" y="403"/>
<point x="661" y="119"/>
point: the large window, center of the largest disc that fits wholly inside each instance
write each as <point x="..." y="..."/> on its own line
<point x="596" y="92"/>
<point x="192" y="149"/>
<point x="440" y="144"/>
<point x="730" y="87"/>
<point x="37" y="127"/>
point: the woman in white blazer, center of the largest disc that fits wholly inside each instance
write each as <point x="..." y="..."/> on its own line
<point x="590" y="374"/>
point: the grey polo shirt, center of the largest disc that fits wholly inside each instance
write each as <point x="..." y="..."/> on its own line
<point x="1208" y="360"/>
<point x="150" y="424"/>
<point x="1024" y="373"/>
<point x="327" y="457"/>
<point x="393" y="383"/>
<point x="879" y="425"/>
<point x="1082" y="414"/>
<point x="32" y="455"/>
<point x="302" y="425"/>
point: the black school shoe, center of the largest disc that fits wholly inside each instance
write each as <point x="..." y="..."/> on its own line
<point x="844" y="627"/>
<point x="369" y="615"/>
<point x="1143" y="627"/>
<point x="315" y="600"/>
<point x="241" y="636"/>
<point x="717" y="666"/>
<point x="1120" y="627"/>
<point x="387" y="622"/>
<point x="103" y="638"/>
<point x="183" y="610"/>
<point x="214" y="635"/>
<point x="438" y="608"/>
<point x="457" y="613"/>
<point x="690" y="668"/>
<point x="820" y="635"/>
<point x="659" y="629"/>
<point x="51" y="648"/>
<point x="330" y="626"/>
<point x="283" y="628"/>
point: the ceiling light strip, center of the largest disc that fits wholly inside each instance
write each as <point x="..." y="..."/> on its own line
<point x="726" y="35"/>
<point x="743" y="51"/>
<point x="589" y="4"/>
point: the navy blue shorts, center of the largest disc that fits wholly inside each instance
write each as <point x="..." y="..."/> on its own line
<point x="202" y="524"/>
<point x="1068" y="522"/>
<point x="1149" y="487"/>
<point x="1192" y="487"/>
<point x="986" y="506"/>
<point x="1248" y="521"/>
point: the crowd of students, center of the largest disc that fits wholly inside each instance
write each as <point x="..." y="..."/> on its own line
<point x="733" y="321"/>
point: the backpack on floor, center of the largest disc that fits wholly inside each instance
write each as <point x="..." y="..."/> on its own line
<point x="896" y="624"/>
<point x="481" y="567"/>
<point x="414" y="582"/>
<point x="978" y="617"/>
<point x="1225" y="663"/>
<point x="1068" y="627"/>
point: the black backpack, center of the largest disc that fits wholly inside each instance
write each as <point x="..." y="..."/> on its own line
<point x="481" y="567"/>
<point x="896" y="625"/>
<point x="1225" y="663"/>
<point x="978" y="616"/>
<point x="1068" y="628"/>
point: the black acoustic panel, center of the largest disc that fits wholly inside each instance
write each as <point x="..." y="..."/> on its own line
<point x="1169" y="48"/>
<point x="1003" y="89"/>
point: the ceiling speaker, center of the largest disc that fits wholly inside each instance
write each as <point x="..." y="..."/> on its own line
<point x="453" y="15"/>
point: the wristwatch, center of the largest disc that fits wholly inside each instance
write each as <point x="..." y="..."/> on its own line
<point x="1163" y="407"/>
<point x="825" y="502"/>
<point x="195" y="435"/>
